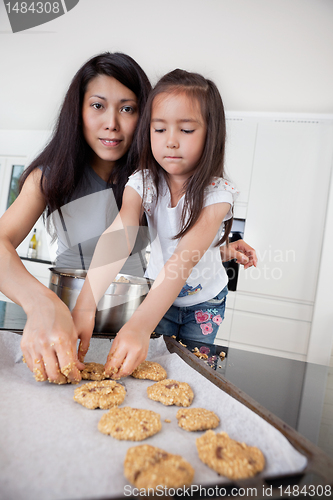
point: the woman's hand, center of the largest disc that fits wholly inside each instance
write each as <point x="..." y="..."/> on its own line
<point x="49" y="341"/>
<point x="49" y="337"/>
<point x="241" y="251"/>
<point x="129" y="349"/>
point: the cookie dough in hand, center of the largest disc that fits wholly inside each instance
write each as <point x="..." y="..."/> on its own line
<point x="149" y="370"/>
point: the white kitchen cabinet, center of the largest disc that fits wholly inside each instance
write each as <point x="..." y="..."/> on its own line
<point x="224" y="332"/>
<point x="321" y="341"/>
<point x="240" y="145"/>
<point x="266" y="325"/>
<point x="272" y="310"/>
<point x="267" y="334"/>
<point x="287" y="207"/>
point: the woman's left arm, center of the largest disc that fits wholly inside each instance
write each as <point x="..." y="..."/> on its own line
<point x="130" y="347"/>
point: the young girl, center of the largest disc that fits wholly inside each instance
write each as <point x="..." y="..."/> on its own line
<point x="180" y="188"/>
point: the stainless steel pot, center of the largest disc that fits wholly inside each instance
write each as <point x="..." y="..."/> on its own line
<point x="116" y="306"/>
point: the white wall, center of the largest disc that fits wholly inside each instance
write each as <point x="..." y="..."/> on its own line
<point x="265" y="55"/>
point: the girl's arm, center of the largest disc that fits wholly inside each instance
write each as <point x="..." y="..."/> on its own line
<point x="49" y="338"/>
<point x="111" y="252"/>
<point x="130" y="347"/>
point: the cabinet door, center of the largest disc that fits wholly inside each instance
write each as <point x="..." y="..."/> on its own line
<point x="287" y="207"/>
<point x="240" y="144"/>
<point x="224" y="331"/>
<point x="270" y="335"/>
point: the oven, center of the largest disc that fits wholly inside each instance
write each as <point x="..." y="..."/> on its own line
<point x="231" y="267"/>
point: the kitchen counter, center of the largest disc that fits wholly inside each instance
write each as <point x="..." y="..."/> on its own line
<point x="299" y="393"/>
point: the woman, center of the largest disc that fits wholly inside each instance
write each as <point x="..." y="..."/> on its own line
<point x="88" y="161"/>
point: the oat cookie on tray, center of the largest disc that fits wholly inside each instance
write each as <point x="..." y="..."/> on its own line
<point x="146" y="467"/>
<point x="171" y="392"/>
<point x="103" y="394"/>
<point x="149" y="370"/>
<point x="131" y="424"/>
<point x="93" y="371"/>
<point x="228" y="457"/>
<point x="197" y="419"/>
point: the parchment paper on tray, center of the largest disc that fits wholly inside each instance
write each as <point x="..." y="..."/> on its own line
<point x="51" y="447"/>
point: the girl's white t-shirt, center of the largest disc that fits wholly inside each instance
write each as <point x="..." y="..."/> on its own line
<point x="208" y="276"/>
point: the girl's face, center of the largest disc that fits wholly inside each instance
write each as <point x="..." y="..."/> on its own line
<point x="178" y="133"/>
<point x="110" y="116"/>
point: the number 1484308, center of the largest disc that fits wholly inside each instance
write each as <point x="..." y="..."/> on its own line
<point x="307" y="490"/>
<point x="33" y="7"/>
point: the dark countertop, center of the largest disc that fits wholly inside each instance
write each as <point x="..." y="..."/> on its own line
<point x="299" y="393"/>
<point x="41" y="261"/>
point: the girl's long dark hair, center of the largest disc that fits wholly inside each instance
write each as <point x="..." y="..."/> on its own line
<point x="63" y="159"/>
<point x="211" y="163"/>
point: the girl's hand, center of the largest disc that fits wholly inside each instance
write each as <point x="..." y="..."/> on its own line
<point x="49" y="342"/>
<point x="84" y="321"/>
<point x="241" y="251"/>
<point x="129" y="349"/>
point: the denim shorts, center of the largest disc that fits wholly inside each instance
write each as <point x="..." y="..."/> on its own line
<point x="199" y="322"/>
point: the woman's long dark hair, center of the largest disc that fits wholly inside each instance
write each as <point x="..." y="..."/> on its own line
<point x="211" y="163"/>
<point x="64" y="157"/>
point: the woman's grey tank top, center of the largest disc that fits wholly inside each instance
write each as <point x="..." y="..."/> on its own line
<point x="81" y="222"/>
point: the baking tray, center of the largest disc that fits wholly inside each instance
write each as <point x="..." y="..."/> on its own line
<point x="313" y="479"/>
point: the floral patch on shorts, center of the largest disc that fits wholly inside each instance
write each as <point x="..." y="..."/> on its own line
<point x="204" y="318"/>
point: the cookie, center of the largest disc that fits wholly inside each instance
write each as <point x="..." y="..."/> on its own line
<point x="146" y="467"/>
<point x="103" y="394"/>
<point x="150" y="370"/>
<point x="171" y="392"/>
<point x="130" y="424"/>
<point x="93" y="371"/>
<point x="229" y="458"/>
<point x="197" y="419"/>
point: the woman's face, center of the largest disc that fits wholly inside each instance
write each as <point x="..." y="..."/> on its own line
<point x="109" y="115"/>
